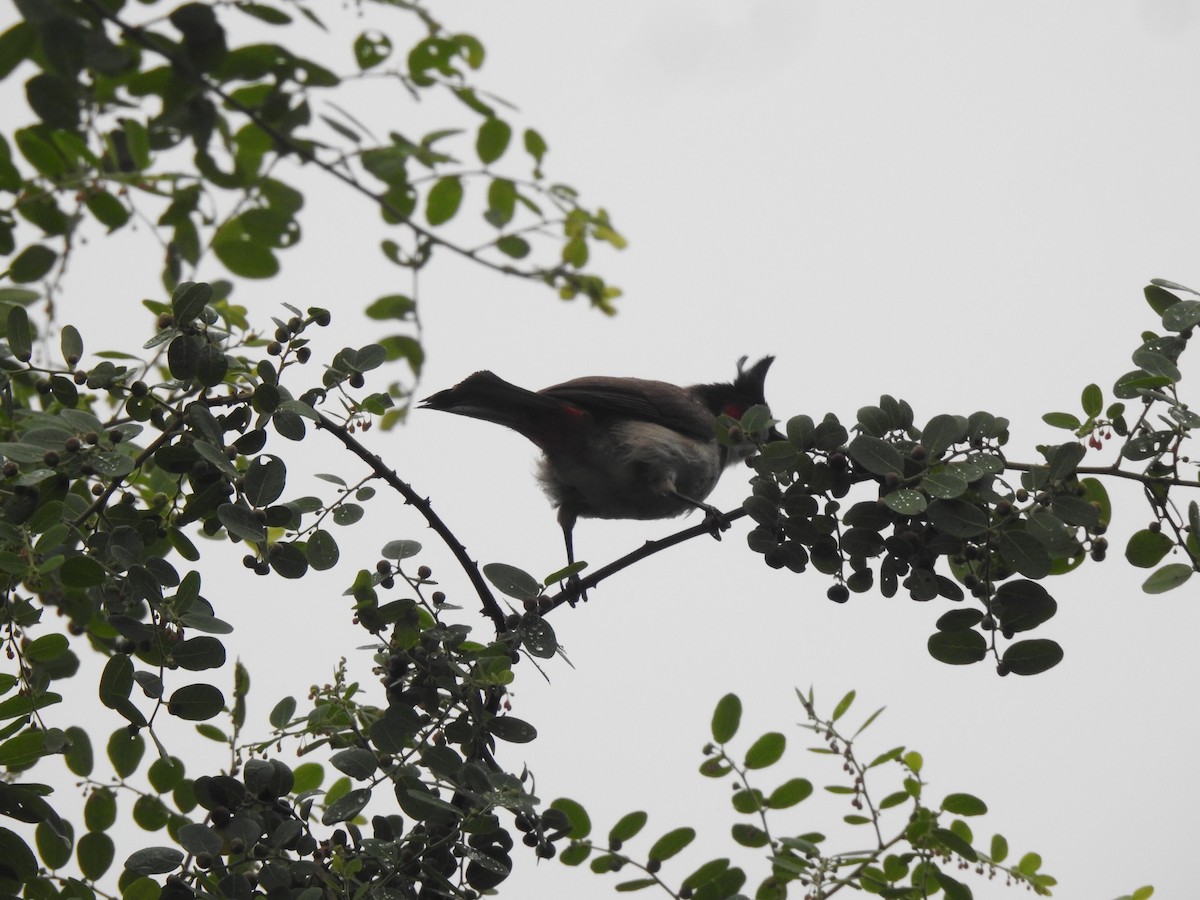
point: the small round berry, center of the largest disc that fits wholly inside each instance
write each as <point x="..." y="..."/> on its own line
<point x="838" y="593"/>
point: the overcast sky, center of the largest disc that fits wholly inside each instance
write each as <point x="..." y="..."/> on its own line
<point x="956" y="203"/>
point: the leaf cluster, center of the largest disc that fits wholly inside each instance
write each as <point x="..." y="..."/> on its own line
<point x="910" y="863"/>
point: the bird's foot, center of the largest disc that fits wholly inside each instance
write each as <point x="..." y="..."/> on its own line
<point x="574" y="590"/>
<point x="716" y="520"/>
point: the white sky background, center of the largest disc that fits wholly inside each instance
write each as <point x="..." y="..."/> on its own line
<point x="955" y="203"/>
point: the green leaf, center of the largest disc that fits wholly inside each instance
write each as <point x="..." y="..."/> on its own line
<point x="671" y="843"/>
<point x="1023" y="605"/>
<point x="875" y="455"/>
<point x="443" y="200"/>
<point x="78" y="756"/>
<point x="791" y="792"/>
<point x="19" y="333"/>
<point x="1156" y="364"/>
<point x="125" y="751"/>
<point x="958" y="518"/>
<point x="196" y="702"/>
<point x="766" y="751"/>
<point x="512" y="729"/>
<point x="1159" y="298"/>
<point x="1092" y="401"/>
<point x="322" y="550"/>
<point x="1024" y="553"/>
<point x="843" y="706"/>
<point x="1167" y="578"/>
<point x="581" y="825"/>
<point x="907" y="502"/>
<point x="1147" y="548"/>
<point x="512" y="581"/>
<point x="963" y="805"/>
<point x="494" y="135"/>
<point x="513" y="246"/>
<point x="535" y="146"/>
<point x="1181" y="316"/>
<point x="371" y="48"/>
<point x="1062" y="420"/>
<point x="726" y="718"/>
<point x="999" y="848"/>
<point x="957" y="648"/>
<point x="94" y="853"/>
<point x="749" y="835"/>
<point x="941" y="432"/>
<point x="627" y="827"/>
<point x="154" y="860"/>
<point x="1032" y="657"/>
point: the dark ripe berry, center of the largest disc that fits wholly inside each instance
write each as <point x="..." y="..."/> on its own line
<point x="424" y="572"/>
<point x="274" y="348"/>
<point x="1022" y="495"/>
<point x="115" y="435"/>
<point x="320" y="316"/>
<point x="918" y="452"/>
<point x="50" y="458"/>
<point x="1156" y="527"/>
<point x="530" y="839"/>
<point x="383" y="567"/>
<point x="1004" y="507"/>
<point x="653" y="865"/>
<point x="92" y="438"/>
<point x="72" y="444"/>
<point x="303" y="354"/>
<point x="249" y="561"/>
<point x="282" y="334"/>
<point x="522" y="824"/>
<point x="262" y="568"/>
<point x="357" y="380"/>
<point x="295" y="325"/>
<point x="837" y="461"/>
<point x="1100" y="544"/>
<point x="237" y="845"/>
<point x="438" y="597"/>
<point x="221" y="816"/>
<point x="165" y="320"/>
<point x="204" y="861"/>
<point x="838" y="593"/>
<point x="10" y="469"/>
<point x="76" y="629"/>
<point x="139" y="389"/>
<point x="988" y="624"/>
<point x="545" y="851"/>
<point x="42" y="386"/>
<point x="1098" y="555"/>
<point x="892" y="479"/>
<point x="1002" y="668"/>
<point x="97" y="489"/>
<point x="387" y="583"/>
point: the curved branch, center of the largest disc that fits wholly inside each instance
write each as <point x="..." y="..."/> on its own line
<point x="491" y="608"/>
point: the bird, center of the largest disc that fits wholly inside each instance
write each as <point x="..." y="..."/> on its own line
<point x="619" y="448"/>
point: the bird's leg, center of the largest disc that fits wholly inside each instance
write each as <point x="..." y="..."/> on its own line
<point x="567" y="521"/>
<point x="713" y="517"/>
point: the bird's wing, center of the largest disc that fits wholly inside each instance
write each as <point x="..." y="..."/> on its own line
<point x="636" y="398"/>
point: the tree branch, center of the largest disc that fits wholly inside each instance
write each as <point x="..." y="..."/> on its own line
<point x="647" y="549"/>
<point x="490" y="607"/>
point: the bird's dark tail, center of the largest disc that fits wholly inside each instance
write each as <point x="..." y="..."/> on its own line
<point x="489" y="397"/>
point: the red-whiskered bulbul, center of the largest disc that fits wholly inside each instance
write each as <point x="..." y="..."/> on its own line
<point x="618" y="448"/>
